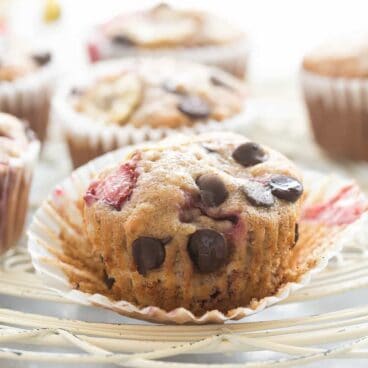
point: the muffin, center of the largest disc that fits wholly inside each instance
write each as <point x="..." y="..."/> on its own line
<point x="114" y="104"/>
<point x="205" y="222"/>
<point x="334" y="82"/>
<point x="25" y="84"/>
<point x="18" y="152"/>
<point x="171" y="32"/>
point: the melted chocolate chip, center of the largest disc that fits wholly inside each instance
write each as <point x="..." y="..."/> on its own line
<point x="217" y="81"/>
<point x="285" y="187"/>
<point x="258" y="195"/>
<point x="249" y="154"/>
<point x="122" y="40"/>
<point x="194" y="107"/>
<point x="212" y="190"/>
<point x="296" y="233"/>
<point x="148" y="254"/>
<point x="208" y="250"/>
<point x="109" y="281"/>
<point x="42" y="58"/>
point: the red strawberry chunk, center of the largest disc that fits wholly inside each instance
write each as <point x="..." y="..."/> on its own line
<point x="116" y="188"/>
<point x="346" y="206"/>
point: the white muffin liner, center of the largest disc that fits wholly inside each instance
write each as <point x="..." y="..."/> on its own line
<point x="15" y="183"/>
<point x="338" y="112"/>
<point x="29" y="97"/>
<point x="60" y="213"/>
<point x="232" y="56"/>
<point x="88" y="139"/>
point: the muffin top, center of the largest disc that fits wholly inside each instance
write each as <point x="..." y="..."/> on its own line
<point x="14" y="138"/>
<point x="160" y="93"/>
<point x="187" y="189"/>
<point x="344" y="58"/>
<point x="18" y="61"/>
<point x="164" y="26"/>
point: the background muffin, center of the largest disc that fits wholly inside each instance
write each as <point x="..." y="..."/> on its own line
<point x="334" y="82"/>
<point x="118" y="103"/>
<point x="25" y="84"/>
<point x="18" y="152"/>
<point x="166" y="31"/>
<point x="203" y="223"/>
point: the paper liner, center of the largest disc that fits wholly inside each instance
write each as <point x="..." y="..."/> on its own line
<point x="338" y="112"/>
<point x="28" y="98"/>
<point x="232" y="56"/>
<point x="15" y="183"/>
<point x="60" y="214"/>
<point x="87" y="139"/>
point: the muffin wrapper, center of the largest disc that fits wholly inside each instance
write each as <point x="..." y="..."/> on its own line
<point x="231" y="57"/>
<point x="87" y="139"/>
<point x="15" y="183"/>
<point x="338" y="112"/>
<point x="61" y="213"/>
<point x="28" y="98"/>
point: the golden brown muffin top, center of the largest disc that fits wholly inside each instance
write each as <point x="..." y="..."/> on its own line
<point x="164" y="26"/>
<point x="14" y="138"/>
<point x="344" y="58"/>
<point x="160" y="93"/>
<point x="17" y="61"/>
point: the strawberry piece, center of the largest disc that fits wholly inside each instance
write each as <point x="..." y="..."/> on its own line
<point x="116" y="188"/>
<point x="346" y="206"/>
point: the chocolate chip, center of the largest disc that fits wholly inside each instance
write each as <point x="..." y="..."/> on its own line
<point x="212" y="190"/>
<point x="217" y="81"/>
<point x="296" y="233"/>
<point x="208" y="250"/>
<point x="258" y="195"/>
<point x="148" y="254"/>
<point x="209" y="148"/>
<point x="285" y="187"/>
<point x="249" y="154"/>
<point x="42" y="58"/>
<point x="109" y="281"/>
<point x="122" y="40"/>
<point x="194" y="107"/>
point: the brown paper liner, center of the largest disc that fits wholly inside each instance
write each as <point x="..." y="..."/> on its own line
<point x="61" y="251"/>
<point x="28" y="98"/>
<point x="338" y="112"/>
<point x="15" y="183"/>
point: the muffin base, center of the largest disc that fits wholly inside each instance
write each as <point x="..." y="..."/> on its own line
<point x="338" y="112"/>
<point x="79" y="275"/>
<point x="15" y="183"/>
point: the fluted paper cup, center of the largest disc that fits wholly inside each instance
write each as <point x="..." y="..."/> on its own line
<point x="28" y="98"/>
<point x="338" y="112"/>
<point x="334" y="215"/>
<point x="15" y="183"/>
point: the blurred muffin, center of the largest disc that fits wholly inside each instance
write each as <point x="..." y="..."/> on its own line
<point x="186" y="222"/>
<point x="170" y="32"/>
<point x="25" y="84"/>
<point x="335" y="85"/>
<point x="18" y="153"/>
<point x="134" y="100"/>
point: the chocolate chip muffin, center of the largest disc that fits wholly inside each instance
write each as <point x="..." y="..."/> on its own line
<point x="334" y="82"/>
<point x="18" y="152"/>
<point x="167" y="31"/>
<point x="201" y="222"/>
<point x="144" y="99"/>
<point x="25" y="83"/>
